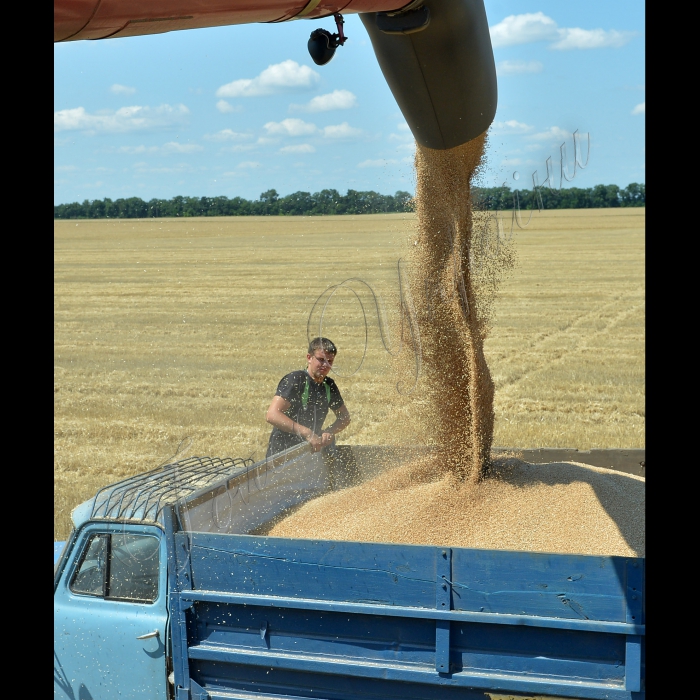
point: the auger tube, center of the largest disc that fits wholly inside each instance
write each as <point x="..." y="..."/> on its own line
<point x="444" y="76"/>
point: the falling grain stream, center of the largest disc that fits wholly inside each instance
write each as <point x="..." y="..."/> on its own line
<point x="456" y="380"/>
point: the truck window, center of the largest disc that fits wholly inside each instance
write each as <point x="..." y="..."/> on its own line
<point x="134" y="568"/>
<point x="89" y="579"/>
<point x="119" y="567"/>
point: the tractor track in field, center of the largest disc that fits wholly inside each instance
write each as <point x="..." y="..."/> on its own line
<point x="542" y="338"/>
<point x="581" y="341"/>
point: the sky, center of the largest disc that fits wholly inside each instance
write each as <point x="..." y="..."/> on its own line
<point x="239" y="110"/>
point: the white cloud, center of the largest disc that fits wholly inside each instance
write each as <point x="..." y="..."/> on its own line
<point x="249" y="164"/>
<point x="125" y="119"/>
<point x="162" y="171"/>
<point x="65" y="168"/>
<point x="298" y="127"/>
<point x="226" y="107"/>
<point x="378" y="163"/>
<point x="518" y="67"/>
<point x="554" y="133"/>
<point x="341" y="131"/>
<point x="142" y="168"/>
<point x="523" y="29"/>
<point x="640" y="108"/>
<point x="512" y="127"/>
<point x="173" y="147"/>
<point x="338" y="99"/>
<point x="227" y="135"/>
<point x="301" y="148"/>
<point x="240" y="148"/>
<point x="577" y="38"/>
<point x="290" y="127"/>
<point x="536" y="26"/>
<point x="118" y="89"/>
<point x="280" y="77"/>
<point x="404" y="138"/>
<point x="403" y="135"/>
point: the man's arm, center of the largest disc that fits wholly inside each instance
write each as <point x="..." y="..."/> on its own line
<point x="275" y="416"/>
<point x="342" y="421"/>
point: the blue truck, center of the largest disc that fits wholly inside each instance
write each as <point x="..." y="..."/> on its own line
<point x="169" y="588"/>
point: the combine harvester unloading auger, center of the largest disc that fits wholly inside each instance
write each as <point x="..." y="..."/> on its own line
<point x="436" y="55"/>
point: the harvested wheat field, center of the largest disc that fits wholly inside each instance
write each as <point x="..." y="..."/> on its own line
<point x="167" y="329"/>
<point x="565" y="508"/>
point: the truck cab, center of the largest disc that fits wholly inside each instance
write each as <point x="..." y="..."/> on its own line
<point x="111" y="612"/>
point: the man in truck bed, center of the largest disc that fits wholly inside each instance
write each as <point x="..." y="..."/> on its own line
<point x="300" y="405"/>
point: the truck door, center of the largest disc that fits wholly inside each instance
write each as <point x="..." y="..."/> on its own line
<point x="110" y="616"/>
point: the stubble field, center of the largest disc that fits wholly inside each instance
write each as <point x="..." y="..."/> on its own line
<point x="171" y="329"/>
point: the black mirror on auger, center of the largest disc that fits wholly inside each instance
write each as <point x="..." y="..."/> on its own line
<point x="322" y="44"/>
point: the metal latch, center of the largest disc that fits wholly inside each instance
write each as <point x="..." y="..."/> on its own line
<point x="155" y="633"/>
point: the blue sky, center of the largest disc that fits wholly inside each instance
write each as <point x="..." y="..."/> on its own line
<point x="239" y="110"/>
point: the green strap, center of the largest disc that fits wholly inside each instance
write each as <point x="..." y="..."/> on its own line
<point x="305" y="393"/>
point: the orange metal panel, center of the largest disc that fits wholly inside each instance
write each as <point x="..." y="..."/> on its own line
<point x="134" y="17"/>
<point x="95" y="19"/>
<point x="70" y="16"/>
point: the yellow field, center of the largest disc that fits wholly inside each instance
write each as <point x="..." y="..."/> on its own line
<point x="166" y="329"/>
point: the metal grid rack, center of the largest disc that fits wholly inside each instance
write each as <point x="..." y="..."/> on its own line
<point x="143" y="497"/>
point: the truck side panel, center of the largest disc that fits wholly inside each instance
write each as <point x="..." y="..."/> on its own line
<point x="344" y="620"/>
<point x="251" y="497"/>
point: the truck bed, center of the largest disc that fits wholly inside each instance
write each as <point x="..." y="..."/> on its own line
<point x="266" y="617"/>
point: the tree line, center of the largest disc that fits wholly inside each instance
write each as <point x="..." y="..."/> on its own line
<point x="596" y="197"/>
<point x="332" y="202"/>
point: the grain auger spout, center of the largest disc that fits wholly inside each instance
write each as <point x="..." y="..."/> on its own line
<point x="435" y="54"/>
<point x="438" y="62"/>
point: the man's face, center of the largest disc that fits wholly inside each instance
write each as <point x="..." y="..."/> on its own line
<point x="320" y="363"/>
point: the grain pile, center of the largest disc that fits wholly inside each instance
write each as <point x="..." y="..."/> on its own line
<point x="559" y="507"/>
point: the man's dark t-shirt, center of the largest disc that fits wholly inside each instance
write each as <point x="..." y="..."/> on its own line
<point x="291" y="388"/>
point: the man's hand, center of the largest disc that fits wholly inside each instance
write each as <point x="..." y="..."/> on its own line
<point x="315" y="441"/>
<point x="327" y="439"/>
